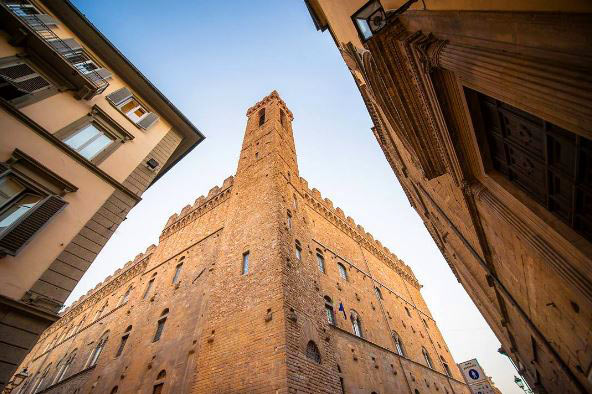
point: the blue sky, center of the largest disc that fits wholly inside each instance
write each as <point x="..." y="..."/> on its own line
<point x="213" y="60"/>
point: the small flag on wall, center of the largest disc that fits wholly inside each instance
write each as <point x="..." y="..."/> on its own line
<point x="342" y="309"/>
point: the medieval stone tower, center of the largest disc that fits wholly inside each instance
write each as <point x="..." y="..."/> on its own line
<point x="262" y="286"/>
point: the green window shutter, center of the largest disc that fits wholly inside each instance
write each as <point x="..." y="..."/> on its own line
<point x="119" y="96"/>
<point x="14" y="238"/>
<point x="148" y="120"/>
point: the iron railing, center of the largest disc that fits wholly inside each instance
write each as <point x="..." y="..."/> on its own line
<point x="77" y="57"/>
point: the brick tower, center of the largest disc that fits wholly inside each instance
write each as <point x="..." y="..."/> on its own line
<point x="262" y="286"/>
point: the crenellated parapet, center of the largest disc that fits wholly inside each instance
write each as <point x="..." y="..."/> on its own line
<point x="266" y="100"/>
<point x="189" y="213"/>
<point x="102" y="290"/>
<point x="336" y="216"/>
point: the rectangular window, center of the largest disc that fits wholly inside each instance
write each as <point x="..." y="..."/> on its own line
<point x="289" y="221"/>
<point x="21" y="84"/>
<point x="89" y="141"/>
<point x="245" y="267"/>
<point x="159" y="330"/>
<point x="122" y="345"/>
<point x="321" y="261"/>
<point x="261" y="116"/>
<point x="177" y="272"/>
<point x="25" y="207"/>
<point x="148" y="287"/>
<point x="132" y="108"/>
<point x="550" y="164"/>
<point x="282" y="117"/>
<point x="94" y="136"/>
<point x="298" y="252"/>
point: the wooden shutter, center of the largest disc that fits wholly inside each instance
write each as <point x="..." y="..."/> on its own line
<point x="17" y="236"/>
<point x="23" y="77"/>
<point x="119" y="96"/>
<point x="148" y="120"/>
<point x="65" y="45"/>
<point x="47" y="19"/>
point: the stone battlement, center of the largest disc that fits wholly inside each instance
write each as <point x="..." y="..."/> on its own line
<point x="272" y="96"/>
<point x="356" y="231"/>
<point x="216" y="195"/>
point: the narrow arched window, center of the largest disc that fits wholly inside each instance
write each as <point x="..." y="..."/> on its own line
<point x="177" y="273"/>
<point x="148" y="287"/>
<point x="424" y="323"/>
<point x="100" y="311"/>
<point x="298" y="251"/>
<point x="261" y="116"/>
<point x="160" y="325"/>
<point x="245" y="266"/>
<point x="80" y="324"/>
<point x="282" y="117"/>
<point x="342" y="271"/>
<point x="41" y="380"/>
<point x="356" y="324"/>
<point x="125" y="296"/>
<point x="407" y="310"/>
<point x="159" y="385"/>
<point x="329" y="310"/>
<point x="321" y="261"/>
<point x="378" y="293"/>
<point x="94" y="356"/>
<point x="294" y="202"/>
<point x="427" y="358"/>
<point x="398" y="344"/>
<point x="289" y="220"/>
<point x="312" y="352"/>
<point x="124" y="339"/>
<point x="114" y="390"/>
<point x="446" y="368"/>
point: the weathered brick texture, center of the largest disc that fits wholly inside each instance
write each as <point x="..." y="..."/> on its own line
<point x="232" y="332"/>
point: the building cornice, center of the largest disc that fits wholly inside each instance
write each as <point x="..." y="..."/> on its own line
<point x="120" y="65"/>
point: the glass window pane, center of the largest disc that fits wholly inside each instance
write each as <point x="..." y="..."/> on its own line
<point x="129" y="106"/>
<point x="9" y="187"/>
<point x="18" y="209"/>
<point x="82" y="136"/>
<point x="96" y="146"/>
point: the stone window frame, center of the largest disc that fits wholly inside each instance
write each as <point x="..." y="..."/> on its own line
<point x="330" y="311"/>
<point x="298" y="248"/>
<point x="37" y="179"/>
<point x="34" y="97"/>
<point x="124" y="339"/>
<point x="101" y="120"/>
<point x="342" y="272"/>
<point x="94" y="355"/>
<point x="312" y="352"/>
<point x="245" y="263"/>
<point x="160" y="325"/>
<point x="321" y="261"/>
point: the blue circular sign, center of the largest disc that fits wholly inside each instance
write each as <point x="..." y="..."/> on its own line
<point x="473" y="374"/>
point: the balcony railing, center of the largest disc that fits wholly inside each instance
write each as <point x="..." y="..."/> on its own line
<point x="75" y="56"/>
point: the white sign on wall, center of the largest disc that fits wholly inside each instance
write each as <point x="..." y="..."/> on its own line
<point x="481" y="388"/>
<point x="472" y="371"/>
